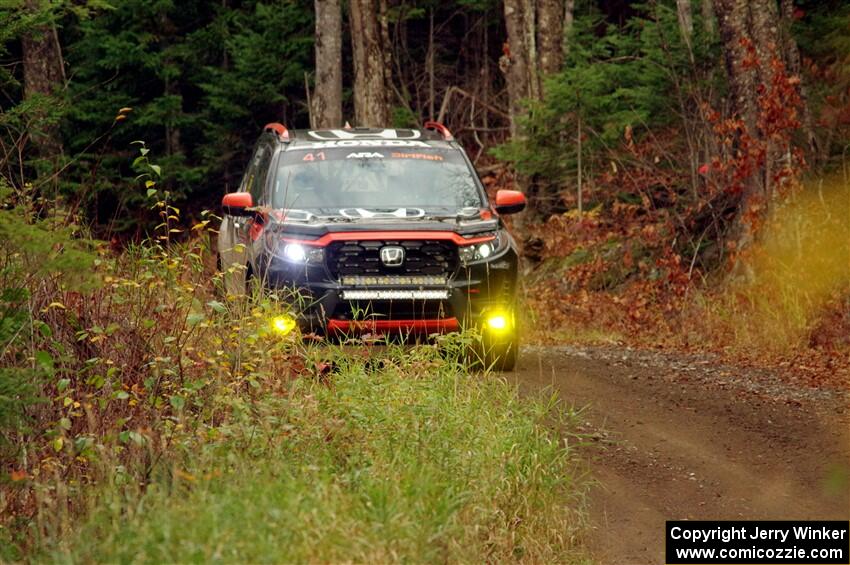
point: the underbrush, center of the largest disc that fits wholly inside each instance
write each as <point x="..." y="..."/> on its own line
<point x="146" y="417"/>
<point x="786" y="303"/>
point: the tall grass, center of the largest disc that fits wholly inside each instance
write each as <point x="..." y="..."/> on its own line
<point x="399" y="457"/>
<point x="798" y="275"/>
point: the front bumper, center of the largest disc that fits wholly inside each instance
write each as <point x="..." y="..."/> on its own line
<point x="400" y="326"/>
<point x="323" y="306"/>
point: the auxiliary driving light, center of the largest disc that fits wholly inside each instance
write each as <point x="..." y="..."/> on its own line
<point x="283" y="324"/>
<point x="497" y="322"/>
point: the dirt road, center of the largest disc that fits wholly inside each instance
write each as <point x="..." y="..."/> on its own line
<point x="686" y="438"/>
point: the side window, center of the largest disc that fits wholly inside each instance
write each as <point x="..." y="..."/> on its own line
<point x="250" y="176"/>
<point x="262" y="163"/>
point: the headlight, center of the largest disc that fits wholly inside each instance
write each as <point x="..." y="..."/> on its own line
<point x="275" y="245"/>
<point x="482" y="251"/>
<point x="297" y="253"/>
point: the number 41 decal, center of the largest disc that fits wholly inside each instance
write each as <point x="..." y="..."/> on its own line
<point x="313" y="156"/>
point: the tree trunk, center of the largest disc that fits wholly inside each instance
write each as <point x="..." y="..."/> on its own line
<point x="327" y="95"/>
<point x="515" y="60"/>
<point x="529" y="10"/>
<point x="386" y="48"/>
<point x="44" y="75"/>
<point x="707" y="9"/>
<point x="686" y="22"/>
<point x="569" y="9"/>
<point x="733" y="19"/>
<point x="535" y="48"/>
<point x="371" y="96"/>
<point x="795" y="68"/>
<point x="749" y="30"/>
<point x="173" y="146"/>
<point x="550" y="32"/>
<point x="432" y="93"/>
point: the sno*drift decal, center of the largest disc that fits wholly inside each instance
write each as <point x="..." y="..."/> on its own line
<point x="422" y="156"/>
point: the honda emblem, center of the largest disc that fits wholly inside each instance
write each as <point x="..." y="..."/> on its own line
<point x="392" y="256"/>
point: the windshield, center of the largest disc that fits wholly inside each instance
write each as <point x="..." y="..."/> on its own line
<point x="335" y="179"/>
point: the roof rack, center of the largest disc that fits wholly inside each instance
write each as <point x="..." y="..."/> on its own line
<point x="443" y="130"/>
<point x="279" y="129"/>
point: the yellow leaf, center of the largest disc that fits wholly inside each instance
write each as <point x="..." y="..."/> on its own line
<point x="183" y="475"/>
<point x="58" y="443"/>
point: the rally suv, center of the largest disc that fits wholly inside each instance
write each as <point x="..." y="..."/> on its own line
<point x="386" y="231"/>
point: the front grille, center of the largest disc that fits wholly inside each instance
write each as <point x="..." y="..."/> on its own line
<point x="425" y="257"/>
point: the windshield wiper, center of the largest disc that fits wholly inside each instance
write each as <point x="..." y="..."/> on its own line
<point x="462" y="214"/>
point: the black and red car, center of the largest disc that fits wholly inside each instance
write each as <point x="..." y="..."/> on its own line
<point x="377" y="231"/>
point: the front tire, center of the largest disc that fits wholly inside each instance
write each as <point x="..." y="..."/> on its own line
<point x="501" y="354"/>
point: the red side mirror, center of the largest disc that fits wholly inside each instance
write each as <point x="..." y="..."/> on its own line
<point x="237" y="204"/>
<point x="509" y="201"/>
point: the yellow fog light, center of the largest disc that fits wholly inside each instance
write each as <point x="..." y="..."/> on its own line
<point x="497" y="322"/>
<point x="283" y="324"/>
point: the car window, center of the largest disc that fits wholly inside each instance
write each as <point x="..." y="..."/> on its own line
<point x="367" y="177"/>
<point x="262" y="162"/>
<point x="250" y="172"/>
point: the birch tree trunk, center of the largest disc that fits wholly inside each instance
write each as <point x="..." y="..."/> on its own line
<point x="327" y="97"/>
<point x="371" y="96"/>
<point x="529" y="10"/>
<point x="569" y="9"/>
<point x="550" y="33"/>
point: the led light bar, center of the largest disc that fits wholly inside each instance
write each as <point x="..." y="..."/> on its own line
<point x="395" y="280"/>
<point x="395" y="294"/>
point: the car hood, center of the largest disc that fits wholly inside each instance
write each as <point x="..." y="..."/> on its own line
<point x="316" y="225"/>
